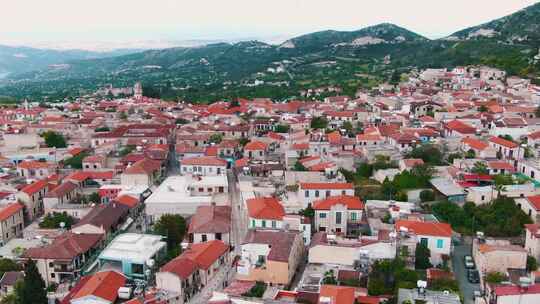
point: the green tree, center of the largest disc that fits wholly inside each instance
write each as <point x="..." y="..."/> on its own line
<point x="365" y="170"/>
<point x="470" y="154"/>
<point x="257" y="291"/>
<point x="75" y="162"/>
<point x="430" y="154"/>
<point x="126" y="150"/>
<point x="172" y="226"/>
<point x="282" y="129"/>
<point x="318" y="123"/>
<point x="53" y="139"/>
<point x="53" y="220"/>
<point x="123" y="116"/>
<point x="216" y="138"/>
<point x="388" y="188"/>
<point x="102" y="129"/>
<point x="480" y="168"/>
<point x="329" y="278"/>
<point x="32" y="290"/>
<point x="453" y="156"/>
<point x="299" y="167"/>
<point x="482" y="109"/>
<point x="421" y="257"/>
<point x="347" y="125"/>
<point x="94" y="198"/>
<point x="495" y="277"/>
<point x="532" y="264"/>
<point x="181" y="121"/>
<point x="8" y="265"/>
<point x="427" y="196"/>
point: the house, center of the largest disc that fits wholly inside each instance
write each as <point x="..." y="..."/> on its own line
<point x="133" y="253"/>
<point x="103" y="219"/>
<point x="336" y="294"/>
<point x="435" y="236"/>
<point x="270" y="256"/>
<point x="508" y="294"/>
<point x="532" y="240"/>
<point x="101" y="287"/>
<point x="33" y="169"/>
<point x="340" y="214"/>
<point x="194" y="269"/>
<point x="265" y="212"/>
<point x="458" y="128"/>
<point x="310" y="192"/>
<point x="8" y="281"/>
<point x="295" y="222"/>
<point x="183" y="194"/>
<point x="11" y="222"/>
<point x="498" y="256"/>
<point x="204" y="165"/>
<point x="256" y="150"/>
<point x="32" y="197"/>
<point x="94" y="163"/>
<point x="506" y="149"/>
<point x="500" y="167"/>
<point x="409" y="163"/>
<point x="369" y="140"/>
<point x="531" y="206"/>
<point x="480" y="148"/>
<point x="63" y="259"/>
<point x="143" y="172"/>
<point x="64" y="193"/>
<point x="210" y="223"/>
<point x="428" y="296"/>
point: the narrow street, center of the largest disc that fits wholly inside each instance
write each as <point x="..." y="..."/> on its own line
<point x="216" y="283"/>
<point x="460" y="272"/>
<point x="238" y="225"/>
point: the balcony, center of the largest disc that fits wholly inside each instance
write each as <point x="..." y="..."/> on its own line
<point x="64" y="268"/>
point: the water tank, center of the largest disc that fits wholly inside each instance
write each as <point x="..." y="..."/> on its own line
<point x="124" y="293"/>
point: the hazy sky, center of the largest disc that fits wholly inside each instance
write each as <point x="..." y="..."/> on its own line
<point x="79" y="20"/>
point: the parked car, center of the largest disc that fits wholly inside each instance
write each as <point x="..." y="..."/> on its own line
<point x="469" y="262"/>
<point x="473" y="276"/>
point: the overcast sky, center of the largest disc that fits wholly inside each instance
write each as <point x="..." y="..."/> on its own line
<point x="107" y="20"/>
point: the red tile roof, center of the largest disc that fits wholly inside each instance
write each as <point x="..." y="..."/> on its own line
<point x="534" y="201"/>
<point x="32" y="164"/>
<point x="265" y="208"/>
<point x="461" y="127"/>
<point x="197" y="256"/>
<point x="475" y="143"/>
<point x="255" y="145"/>
<point x="338" y="294"/>
<point x="65" y="247"/>
<point x="211" y="219"/>
<point x="333" y="186"/>
<point x="127" y="200"/>
<point x="8" y="210"/>
<point x="203" y="161"/>
<point x="35" y="187"/>
<point x="512" y="290"/>
<point x="503" y="142"/>
<point x="103" y="285"/>
<point x="352" y="202"/>
<point x="143" y="166"/>
<point x="425" y="228"/>
<point x="500" y="165"/>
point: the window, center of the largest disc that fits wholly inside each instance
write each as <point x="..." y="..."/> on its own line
<point x="204" y="238"/>
<point x="53" y="275"/>
<point x="327" y="193"/>
<point x="322" y="215"/>
<point x="263" y="223"/>
<point x="316" y="193"/>
<point x="252" y="223"/>
<point x="440" y="244"/>
<point x="424" y="241"/>
<point x="353" y="216"/>
<point x="273" y="224"/>
<point x="218" y="236"/>
<point x="343" y="192"/>
<point x="307" y="193"/>
<point x="338" y="218"/>
<point x="137" y="269"/>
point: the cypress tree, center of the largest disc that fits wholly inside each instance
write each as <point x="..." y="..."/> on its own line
<point x="32" y="290"/>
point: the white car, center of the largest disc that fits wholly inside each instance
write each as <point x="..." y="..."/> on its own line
<point x="469" y="262"/>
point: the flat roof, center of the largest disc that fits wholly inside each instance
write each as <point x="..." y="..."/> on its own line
<point x="134" y="247"/>
<point x="174" y="189"/>
<point x="446" y="186"/>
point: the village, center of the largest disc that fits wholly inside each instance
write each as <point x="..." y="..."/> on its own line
<point x="424" y="191"/>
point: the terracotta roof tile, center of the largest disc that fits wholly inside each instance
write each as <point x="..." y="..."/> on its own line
<point x="265" y="208"/>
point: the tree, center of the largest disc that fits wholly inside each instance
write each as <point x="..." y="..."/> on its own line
<point x="282" y="129"/>
<point x="298" y="166"/>
<point x="348" y="127"/>
<point x="329" y="278"/>
<point x="318" y="123"/>
<point x="532" y="264"/>
<point x="365" y="170"/>
<point x="537" y="112"/>
<point x="8" y="265"/>
<point x="495" y="277"/>
<point x="388" y="188"/>
<point x="427" y="196"/>
<point x="482" y="109"/>
<point x="216" y="138"/>
<point x="181" y="121"/>
<point x="453" y="156"/>
<point x="470" y="154"/>
<point x="126" y="150"/>
<point x="75" y="162"/>
<point x="32" y="290"/>
<point x="94" y="198"/>
<point x="53" y="220"/>
<point x="102" y="129"/>
<point x="308" y="212"/>
<point x="430" y="154"/>
<point x="480" y="168"/>
<point x="53" y="139"/>
<point x="172" y="226"/>
<point x="123" y="116"/>
<point x="421" y="257"/>
<point x="257" y="291"/>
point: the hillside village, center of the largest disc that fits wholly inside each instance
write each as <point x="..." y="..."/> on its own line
<point x="423" y="191"/>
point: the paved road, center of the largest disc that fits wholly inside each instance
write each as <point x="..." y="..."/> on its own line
<point x="467" y="289"/>
<point x="217" y="282"/>
<point x="239" y="225"/>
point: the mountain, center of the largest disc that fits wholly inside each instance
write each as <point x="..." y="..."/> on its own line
<point x="522" y="27"/>
<point x="384" y="33"/>
<point x="14" y="60"/>
<point x="349" y="59"/>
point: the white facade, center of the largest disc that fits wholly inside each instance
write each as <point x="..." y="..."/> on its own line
<point x="203" y="170"/>
<point x="308" y="196"/>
